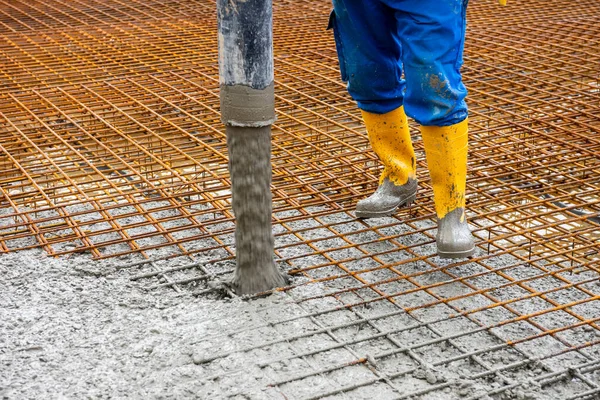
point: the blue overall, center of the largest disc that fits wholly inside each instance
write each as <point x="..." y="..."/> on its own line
<point x="378" y="40"/>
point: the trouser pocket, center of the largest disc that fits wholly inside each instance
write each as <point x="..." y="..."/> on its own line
<point x="338" y="44"/>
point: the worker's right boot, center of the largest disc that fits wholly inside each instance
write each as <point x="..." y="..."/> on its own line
<point x="454" y="238"/>
<point x="390" y="139"/>
<point x="446" y="151"/>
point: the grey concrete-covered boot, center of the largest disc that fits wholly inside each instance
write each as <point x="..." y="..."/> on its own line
<point x="454" y="238"/>
<point x="387" y="199"/>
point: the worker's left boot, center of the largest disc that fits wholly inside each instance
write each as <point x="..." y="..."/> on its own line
<point x="390" y="139"/>
<point x="446" y="151"/>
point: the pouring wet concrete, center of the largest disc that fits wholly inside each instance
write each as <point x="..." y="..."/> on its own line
<point x="250" y="170"/>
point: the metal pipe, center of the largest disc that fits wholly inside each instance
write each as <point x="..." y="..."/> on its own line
<point x="248" y="110"/>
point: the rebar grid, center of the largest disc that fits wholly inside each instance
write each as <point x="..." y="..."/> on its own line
<point x="111" y="144"/>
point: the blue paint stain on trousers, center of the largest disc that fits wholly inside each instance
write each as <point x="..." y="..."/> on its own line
<point x="377" y="40"/>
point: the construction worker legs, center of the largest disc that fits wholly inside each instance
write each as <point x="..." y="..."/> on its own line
<point x="376" y="40"/>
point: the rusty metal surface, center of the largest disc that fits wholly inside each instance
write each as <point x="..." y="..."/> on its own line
<point x="111" y="144"/>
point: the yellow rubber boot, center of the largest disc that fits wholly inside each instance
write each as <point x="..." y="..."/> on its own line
<point x="390" y="139"/>
<point x="446" y="151"/>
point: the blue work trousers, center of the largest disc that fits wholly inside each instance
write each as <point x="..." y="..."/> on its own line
<point x="379" y="40"/>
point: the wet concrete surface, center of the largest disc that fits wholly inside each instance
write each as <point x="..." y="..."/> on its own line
<point x="77" y="328"/>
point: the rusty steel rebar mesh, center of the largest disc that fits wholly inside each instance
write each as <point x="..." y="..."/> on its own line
<point x="111" y="144"/>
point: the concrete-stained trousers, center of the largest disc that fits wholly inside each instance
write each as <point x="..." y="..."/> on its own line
<point x="379" y="40"/>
